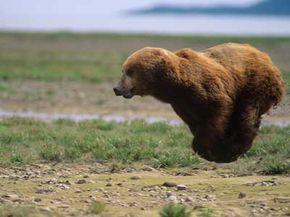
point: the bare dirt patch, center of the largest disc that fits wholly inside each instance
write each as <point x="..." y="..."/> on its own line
<point x="70" y="190"/>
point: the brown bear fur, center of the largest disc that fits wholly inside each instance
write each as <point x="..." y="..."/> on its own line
<point x="220" y="92"/>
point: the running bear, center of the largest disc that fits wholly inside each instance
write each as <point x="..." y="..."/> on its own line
<point x="220" y="93"/>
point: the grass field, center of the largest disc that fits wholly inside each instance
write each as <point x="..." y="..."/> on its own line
<point x="100" y="168"/>
<point x="159" y="145"/>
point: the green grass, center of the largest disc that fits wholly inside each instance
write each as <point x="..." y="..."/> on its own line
<point x="8" y="210"/>
<point x="98" y="57"/>
<point x="97" y="207"/>
<point x="59" y="65"/>
<point x="25" y="141"/>
<point x="206" y="213"/>
<point x="174" y="210"/>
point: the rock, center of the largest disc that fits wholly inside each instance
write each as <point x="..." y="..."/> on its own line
<point x="81" y="181"/>
<point x="181" y="187"/>
<point x="169" y="184"/>
<point x="242" y="195"/>
<point x="168" y="194"/>
<point x="282" y="199"/>
<point x="11" y="196"/>
<point x="37" y="199"/>
<point x="86" y="176"/>
<point x="173" y="199"/>
<point x="67" y="182"/>
<point x="135" y="177"/>
<point x="43" y="190"/>
<point x="78" y="191"/>
<point x="63" y="186"/>
<point x="148" y="168"/>
<point x="188" y="199"/>
<point x="263" y="183"/>
<point x="50" y="181"/>
<point x="109" y="184"/>
<point x="209" y="197"/>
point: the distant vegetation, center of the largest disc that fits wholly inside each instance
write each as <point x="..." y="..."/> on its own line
<point x="98" y="57"/>
<point x="266" y="7"/>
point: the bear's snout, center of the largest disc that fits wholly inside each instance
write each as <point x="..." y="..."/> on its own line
<point x="121" y="92"/>
<point x="117" y="91"/>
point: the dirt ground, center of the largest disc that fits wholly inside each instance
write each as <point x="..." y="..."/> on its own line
<point x="70" y="190"/>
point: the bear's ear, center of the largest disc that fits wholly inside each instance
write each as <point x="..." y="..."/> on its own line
<point x="169" y="60"/>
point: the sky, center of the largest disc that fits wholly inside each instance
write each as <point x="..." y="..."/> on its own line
<point x="14" y="9"/>
<point x="108" y="15"/>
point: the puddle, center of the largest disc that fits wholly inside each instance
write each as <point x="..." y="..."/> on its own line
<point x="280" y="122"/>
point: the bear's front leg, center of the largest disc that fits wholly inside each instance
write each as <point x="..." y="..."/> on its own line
<point x="208" y="139"/>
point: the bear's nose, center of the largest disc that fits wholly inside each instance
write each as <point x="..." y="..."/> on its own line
<point x="117" y="91"/>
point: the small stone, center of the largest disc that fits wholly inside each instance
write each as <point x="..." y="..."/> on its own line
<point x="85" y="176"/>
<point x="43" y="190"/>
<point x="242" y="195"/>
<point x="63" y="186"/>
<point x="37" y="199"/>
<point x="81" y="181"/>
<point x="181" y="187"/>
<point x="173" y="199"/>
<point x="209" y="197"/>
<point x="188" y="199"/>
<point x="67" y="182"/>
<point x="51" y="181"/>
<point x="135" y="177"/>
<point x="11" y="196"/>
<point x="282" y="199"/>
<point x="120" y="184"/>
<point x="78" y="191"/>
<point x="148" y="168"/>
<point x="168" y="194"/>
<point x="109" y="184"/>
<point x="169" y="184"/>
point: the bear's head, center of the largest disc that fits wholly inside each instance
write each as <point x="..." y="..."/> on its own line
<point x="142" y="72"/>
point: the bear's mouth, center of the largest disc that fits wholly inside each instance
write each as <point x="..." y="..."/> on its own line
<point x="128" y="94"/>
<point x="125" y="93"/>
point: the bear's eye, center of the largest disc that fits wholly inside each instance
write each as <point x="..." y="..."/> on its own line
<point x="129" y="72"/>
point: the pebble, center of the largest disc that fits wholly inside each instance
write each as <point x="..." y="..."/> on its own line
<point x="78" y="191"/>
<point x="173" y="199"/>
<point x="181" y="187"/>
<point x="168" y="194"/>
<point x="169" y="184"/>
<point x="135" y="177"/>
<point x="148" y="168"/>
<point x="63" y="186"/>
<point x="11" y="196"/>
<point x="109" y="184"/>
<point x="43" y="190"/>
<point x="188" y="199"/>
<point x="282" y="199"/>
<point x="242" y="195"/>
<point x="81" y="181"/>
<point x="37" y="199"/>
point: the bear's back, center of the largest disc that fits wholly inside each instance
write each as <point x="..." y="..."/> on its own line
<point x="237" y="58"/>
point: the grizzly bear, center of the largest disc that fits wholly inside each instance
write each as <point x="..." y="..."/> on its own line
<point x="220" y="92"/>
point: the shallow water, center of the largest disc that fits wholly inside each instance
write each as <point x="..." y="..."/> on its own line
<point x="280" y="122"/>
